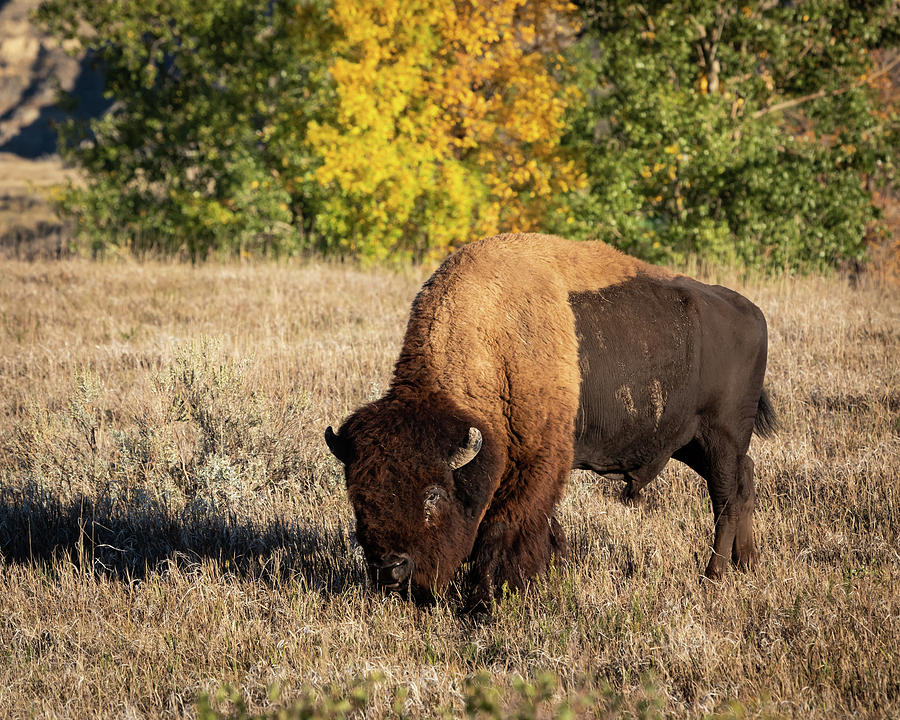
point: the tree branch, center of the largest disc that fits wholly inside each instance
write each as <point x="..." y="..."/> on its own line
<point x="793" y="102"/>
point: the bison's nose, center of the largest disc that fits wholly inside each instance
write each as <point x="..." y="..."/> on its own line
<point x="395" y="569"/>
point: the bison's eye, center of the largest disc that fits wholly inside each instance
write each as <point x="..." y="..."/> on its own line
<point x="435" y="500"/>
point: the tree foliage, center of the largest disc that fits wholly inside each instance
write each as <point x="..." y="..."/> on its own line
<point x="740" y="132"/>
<point x="204" y="147"/>
<point x="448" y="122"/>
<point x="745" y="132"/>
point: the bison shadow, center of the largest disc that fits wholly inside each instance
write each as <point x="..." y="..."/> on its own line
<point x="112" y="539"/>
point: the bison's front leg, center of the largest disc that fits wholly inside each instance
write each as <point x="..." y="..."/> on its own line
<point x="637" y="479"/>
<point x="517" y="540"/>
<point x="507" y="555"/>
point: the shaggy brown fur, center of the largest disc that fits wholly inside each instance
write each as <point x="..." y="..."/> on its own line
<point x="493" y="343"/>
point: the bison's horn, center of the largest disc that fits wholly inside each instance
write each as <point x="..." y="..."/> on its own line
<point x="467" y="453"/>
<point x="339" y="446"/>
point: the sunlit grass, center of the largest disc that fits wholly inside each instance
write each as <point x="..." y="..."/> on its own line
<point x="171" y="522"/>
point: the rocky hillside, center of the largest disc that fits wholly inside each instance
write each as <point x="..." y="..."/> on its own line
<point x="33" y="67"/>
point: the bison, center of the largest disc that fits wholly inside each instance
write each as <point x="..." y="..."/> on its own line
<point x="526" y="356"/>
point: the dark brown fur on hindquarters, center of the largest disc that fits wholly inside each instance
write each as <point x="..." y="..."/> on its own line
<point x="525" y="356"/>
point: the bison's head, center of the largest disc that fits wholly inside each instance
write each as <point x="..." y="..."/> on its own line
<point x="420" y="481"/>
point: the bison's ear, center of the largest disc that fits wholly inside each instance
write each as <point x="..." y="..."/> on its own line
<point x="465" y="454"/>
<point x="340" y="447"/>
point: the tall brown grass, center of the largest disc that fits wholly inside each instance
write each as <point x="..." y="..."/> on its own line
<point x="171" y="523"/>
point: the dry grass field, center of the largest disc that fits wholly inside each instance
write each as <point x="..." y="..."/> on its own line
<point x="172" y="524"/>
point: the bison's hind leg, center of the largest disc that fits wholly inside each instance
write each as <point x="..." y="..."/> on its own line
<point x="744" y="553"/>
<point x="729" y="477"/>
<point x="730" y="482"/>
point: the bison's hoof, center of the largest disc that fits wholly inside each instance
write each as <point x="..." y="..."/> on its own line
<point x="746" y="560"/>
<point x="715" y="569"/>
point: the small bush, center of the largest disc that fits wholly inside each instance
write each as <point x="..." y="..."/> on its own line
<point x="541" y="697"/>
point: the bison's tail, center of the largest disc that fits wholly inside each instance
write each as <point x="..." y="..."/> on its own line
<point x="766" y="423"/>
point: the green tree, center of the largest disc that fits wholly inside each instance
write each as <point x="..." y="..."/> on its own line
<point x="740" y="132"/>
<point x="203" y="149"/>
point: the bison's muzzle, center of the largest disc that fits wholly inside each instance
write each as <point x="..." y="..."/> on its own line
<point x="393" y="572"/>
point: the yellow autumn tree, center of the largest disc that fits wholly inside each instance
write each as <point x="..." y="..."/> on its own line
<point x="448" y="123"/>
